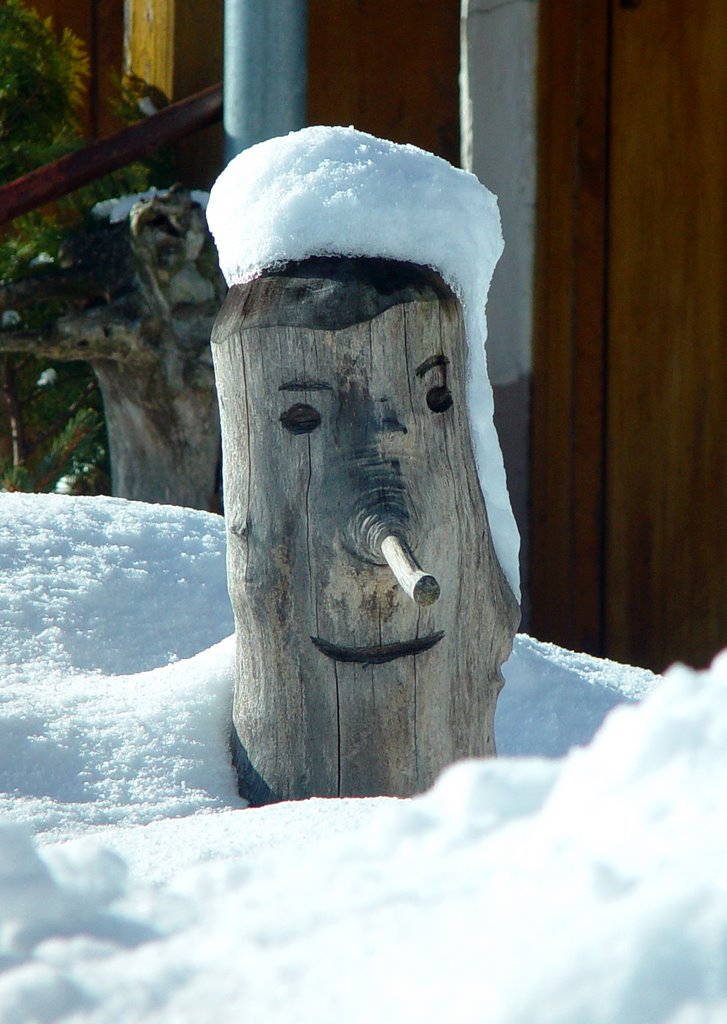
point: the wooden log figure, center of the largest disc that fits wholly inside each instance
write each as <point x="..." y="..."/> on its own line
<point x="372" y="614"/>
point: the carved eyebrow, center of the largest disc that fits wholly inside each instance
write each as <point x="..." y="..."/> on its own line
<point x="305" y="385"/>
<point x="430" y="363"/>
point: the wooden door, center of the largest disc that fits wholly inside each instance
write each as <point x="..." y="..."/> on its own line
<point x="632" y="341"/>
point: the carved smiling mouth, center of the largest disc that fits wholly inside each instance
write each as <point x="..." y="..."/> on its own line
<point x="377" y="655"/>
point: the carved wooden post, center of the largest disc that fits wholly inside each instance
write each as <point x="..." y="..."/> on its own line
<point x="372" y="615"/>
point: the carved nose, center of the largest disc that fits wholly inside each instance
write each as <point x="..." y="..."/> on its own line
<point x="421" y="586"/>
<point x="377" y="537"/>
<point x="380" y="520"/>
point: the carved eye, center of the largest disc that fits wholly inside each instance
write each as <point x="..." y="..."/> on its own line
<point x="439" y="398"/>
<point x="300" y="418"/>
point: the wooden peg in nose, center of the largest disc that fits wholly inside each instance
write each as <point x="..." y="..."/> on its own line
<point x="421" y="586"/>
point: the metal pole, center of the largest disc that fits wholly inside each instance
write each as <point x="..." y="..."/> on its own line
<point x="265" y="76"/>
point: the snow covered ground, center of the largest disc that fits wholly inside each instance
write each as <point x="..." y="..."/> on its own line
<point x="578" y="879"/>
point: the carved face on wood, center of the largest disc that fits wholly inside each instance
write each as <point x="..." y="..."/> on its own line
<point x="346" y="441"/>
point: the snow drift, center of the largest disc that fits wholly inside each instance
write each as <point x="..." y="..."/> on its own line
<point x="585" y="889"/>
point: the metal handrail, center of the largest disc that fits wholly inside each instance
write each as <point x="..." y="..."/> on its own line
<point x="52" y="181"/>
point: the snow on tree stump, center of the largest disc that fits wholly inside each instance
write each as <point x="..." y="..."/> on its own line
<point x="372" y="615"/>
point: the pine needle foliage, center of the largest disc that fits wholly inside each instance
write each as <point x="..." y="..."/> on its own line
<point x="62" y="430"/>
<point x="42" y="81"/>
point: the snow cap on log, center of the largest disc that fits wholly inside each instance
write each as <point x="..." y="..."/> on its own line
<point x="339" y="192"/>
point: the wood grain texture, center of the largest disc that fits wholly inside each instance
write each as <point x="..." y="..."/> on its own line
<point x="321" y="707"/>
<point x="391" y="69"/>
<point x="667" y="311"/>
<point x="629" y="477"/>
<point x="569" y="326"/>
<point x="137" y="301"/>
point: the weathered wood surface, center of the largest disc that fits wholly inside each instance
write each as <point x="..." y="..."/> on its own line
<point x="342" y="397"/>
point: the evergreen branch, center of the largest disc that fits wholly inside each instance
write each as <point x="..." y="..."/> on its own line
<point x="72" y="409"/>
<point x="68" y="450"/>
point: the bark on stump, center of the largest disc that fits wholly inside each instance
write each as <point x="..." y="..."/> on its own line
<point x="346" y="442"/>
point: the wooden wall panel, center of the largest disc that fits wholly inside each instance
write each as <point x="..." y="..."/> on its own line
<point x="666" y="579"/>
<point x="629" y="540"/>
<point x="569" y="338"/>
<point x="391" y="69"/>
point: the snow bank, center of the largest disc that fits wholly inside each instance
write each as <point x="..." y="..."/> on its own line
<point x="81" y="752"/>
<point x="554" y="700"/>
<point x="107" y="585"/>
<point x="117" y="668"/>
<point x="586" y="890"/>
<point x="93" y="592"/>
<point x="338" y="191"/>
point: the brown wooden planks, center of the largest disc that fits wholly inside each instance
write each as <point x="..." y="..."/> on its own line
<point x="569" y="326"/>
<point x="391" y="69"/>
<point x="667" y="365"/>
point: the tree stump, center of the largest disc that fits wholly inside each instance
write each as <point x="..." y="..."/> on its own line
<point x="139" y="299"/>
<point x="372" y="615"/>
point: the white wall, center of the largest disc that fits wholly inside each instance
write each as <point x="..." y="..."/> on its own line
<point x="498" y="144"/>
<point x="498" y="115"/>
